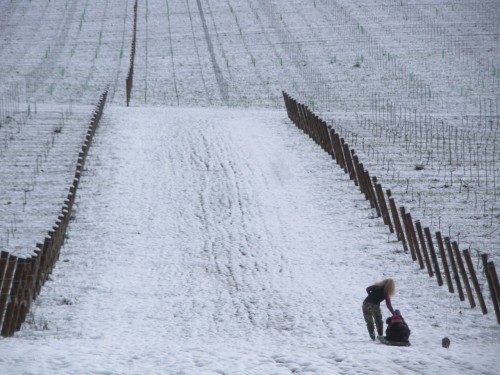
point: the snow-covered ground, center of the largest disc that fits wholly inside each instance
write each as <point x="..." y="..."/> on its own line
<point x="222" y="241"/>
<point x="211" y="236"/>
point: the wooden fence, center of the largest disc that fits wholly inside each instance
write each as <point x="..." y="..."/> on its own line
<point x="416" y="241"/>
<point x="21" y="279"/>
<point x="130" y="75"/>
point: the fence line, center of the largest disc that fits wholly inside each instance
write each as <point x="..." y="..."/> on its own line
<point x="21" y="279"/>
<point x="419" y="240"/>
<point x="130" y="75"/>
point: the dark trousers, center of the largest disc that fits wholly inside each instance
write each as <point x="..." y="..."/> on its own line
<point x="371" y="313"/>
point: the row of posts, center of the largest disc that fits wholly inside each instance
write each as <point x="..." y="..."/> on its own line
<point x="130" y="75"/>
<point x="416" y="240"/>
<point x="21" y="279"/>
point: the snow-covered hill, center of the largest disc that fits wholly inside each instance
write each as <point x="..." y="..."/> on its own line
<point x="210" y="235"/>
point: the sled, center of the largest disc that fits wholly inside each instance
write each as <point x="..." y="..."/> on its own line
<point x="383" y="340"/>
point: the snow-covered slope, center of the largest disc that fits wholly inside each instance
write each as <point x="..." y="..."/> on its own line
<point x="222" y="241"/>
<point x="210" y="235"/>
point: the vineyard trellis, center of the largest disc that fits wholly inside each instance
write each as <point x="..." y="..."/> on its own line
<point x="21" y="279"/>
<point x="420" y="240"/>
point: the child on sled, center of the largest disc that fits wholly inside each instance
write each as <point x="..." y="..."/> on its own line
<point x="397" y="332"/>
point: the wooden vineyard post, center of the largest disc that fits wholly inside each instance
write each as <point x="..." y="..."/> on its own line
<point x="42" y="270"/>
<point x="494" y="279"/>
<point x="332" y="149"/>
<point x="128" y="87"/>
<point x="10" y="263"/>
<point x="10" y="314"/>
<point x="475" y="282"/>
<point x="288" y="106"/>
<point x="295" y="113"/>
<point x="423" y="248"/>
<point x="435" y="263"/>
<point x="289" y="102"/>
<point x="325" y="134"/>
<point x="380" y="212"/>
<point x="383" y="206"/>
<point x="397" y="223"/>
<point x="359" y="174"/>
<point x="311" y="125"/>
<point x="303" y="119"/>
<point x="408" y="233"/>
<point x="52" y="251"/>
<point x="491" y="285"/>
<point x="316" y="129"/>
<point x="298" y="115"/>
<point x="34" y="262"/>
<point x="34" y="275"/>
<point x="343" y="156"/>
<point x="22" y="297"/>
<point x="445" y="262"/>
<point x="293" y="110"/>
<point x="350" y="164"/>
<point x="339" y="153"/>
<point x="370" y="191"/>
<point x="456" y="276"/>
<point x="336" y="148"/>
<point x="414" y="238"/>
<point x="461" y="267"/>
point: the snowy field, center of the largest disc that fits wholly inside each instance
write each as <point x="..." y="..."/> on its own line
<point x="210" y="236"/>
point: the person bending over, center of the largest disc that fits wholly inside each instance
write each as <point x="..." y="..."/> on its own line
<point x="378" y="292"/>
